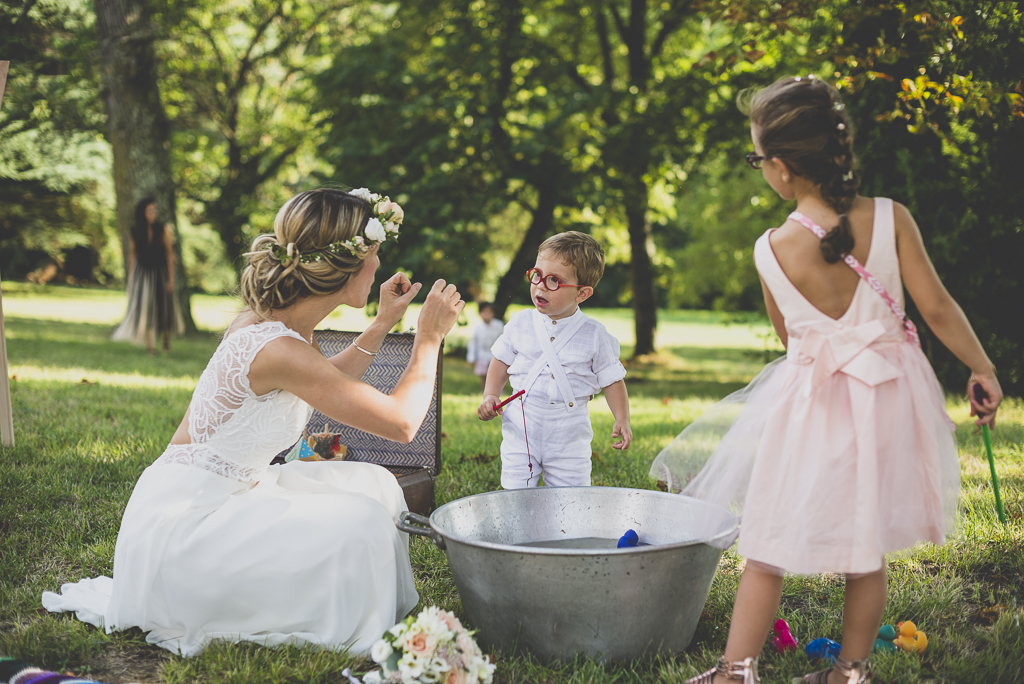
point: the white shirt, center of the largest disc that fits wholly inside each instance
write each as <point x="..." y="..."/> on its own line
<point x="590" y="358"/>
<point x="484" y="335"/>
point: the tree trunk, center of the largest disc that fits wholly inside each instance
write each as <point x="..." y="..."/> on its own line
<point x="136" y="123"/>
<point x="540" y="226"/>
<point x="645" y="301"/>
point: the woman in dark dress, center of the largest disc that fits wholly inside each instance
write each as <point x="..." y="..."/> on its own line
<point x="152" y="307"/>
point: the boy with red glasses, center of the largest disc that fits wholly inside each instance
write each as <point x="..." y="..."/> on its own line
<point x="561" y="358"/>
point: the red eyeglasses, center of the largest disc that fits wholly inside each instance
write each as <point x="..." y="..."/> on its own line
<point x="550" y="283"/>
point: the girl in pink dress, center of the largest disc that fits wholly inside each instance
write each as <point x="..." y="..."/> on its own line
<point x="841" y="451"/>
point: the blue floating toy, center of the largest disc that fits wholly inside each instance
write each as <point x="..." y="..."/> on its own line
<point x="822" y="649"/>
<point x="631" y="538"/>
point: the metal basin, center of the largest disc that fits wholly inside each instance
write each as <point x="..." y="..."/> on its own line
<point x="535" y="572"/>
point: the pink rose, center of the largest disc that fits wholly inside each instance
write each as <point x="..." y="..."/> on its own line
<point x="397" y="213"/>
<point x="466" y="644"/>
<point x="455" y="677"/>
<point x="450" y="621"/>
<point x="420" y="644"/>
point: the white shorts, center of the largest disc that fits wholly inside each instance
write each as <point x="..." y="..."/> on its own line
<point x="559" y="441"/>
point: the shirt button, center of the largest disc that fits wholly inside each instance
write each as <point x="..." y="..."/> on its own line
<point x="552" y="376"/>
<point x="570" y="404"/>
<point x="554" y="322"/>
<point x="552" y="339"/>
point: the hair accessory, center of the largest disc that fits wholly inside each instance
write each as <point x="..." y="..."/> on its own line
<point x="841" y="126"/>
<point x="365" y="351"/>
<point x="848" y="176"/>
<point x="839" y="106"/>
<point x="383" y="226"/>
<point x="810" y="77"/>
<point x="797" y="79"/>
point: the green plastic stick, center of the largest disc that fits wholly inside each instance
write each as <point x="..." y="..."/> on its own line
<point x="995" y="478"/>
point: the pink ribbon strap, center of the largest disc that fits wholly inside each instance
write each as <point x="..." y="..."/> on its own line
<point x="851" y="261"/>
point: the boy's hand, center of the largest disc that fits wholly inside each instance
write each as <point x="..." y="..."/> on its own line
<point x="486" y="409"/>
<point x="623" y="431"/>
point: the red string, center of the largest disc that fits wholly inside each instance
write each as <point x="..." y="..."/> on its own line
<point x="527" y="437"/>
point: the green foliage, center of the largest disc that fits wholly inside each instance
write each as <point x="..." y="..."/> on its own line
<point x="235" y="79"/>
<point x="55" y="188"/>
<point x="941" y="130"/>
<point x="709" y="246"/>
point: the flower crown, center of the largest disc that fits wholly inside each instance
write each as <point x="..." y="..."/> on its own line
<point x="383" y="225"/>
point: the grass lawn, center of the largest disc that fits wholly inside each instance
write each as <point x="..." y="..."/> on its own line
<point x="91" y="414"/>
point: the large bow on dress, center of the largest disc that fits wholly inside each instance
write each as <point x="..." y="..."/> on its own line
<point x="846" y="350"/>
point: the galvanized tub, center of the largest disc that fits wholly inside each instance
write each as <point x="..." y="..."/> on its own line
<point x="535" y="572"/>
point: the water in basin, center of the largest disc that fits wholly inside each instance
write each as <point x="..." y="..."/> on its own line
<point x="577" y="543"/>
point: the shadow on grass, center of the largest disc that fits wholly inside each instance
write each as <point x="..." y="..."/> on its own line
<point x="87" y="345"/>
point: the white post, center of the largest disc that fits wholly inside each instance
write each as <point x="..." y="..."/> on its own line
<point x="6" y="417"/>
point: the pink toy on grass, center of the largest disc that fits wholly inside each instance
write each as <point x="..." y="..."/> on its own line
<point x="783" y="640"/>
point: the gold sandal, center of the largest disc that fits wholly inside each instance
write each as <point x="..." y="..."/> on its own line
<point x="855" y="671"/>
<point x="740" y="671"/>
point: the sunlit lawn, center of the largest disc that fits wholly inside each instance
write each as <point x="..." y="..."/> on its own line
<point x="90" y="415"/>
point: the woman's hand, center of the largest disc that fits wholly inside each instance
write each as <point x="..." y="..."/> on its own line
<point x="985" y="402"/>
<point x="440" y="310"/>
<point x="395" y="295"/>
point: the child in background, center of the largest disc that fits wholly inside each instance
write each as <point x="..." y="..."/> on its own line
<point x="485" y="334"/>
<point x="842" y="449"/>
<point x="561" y="358"/>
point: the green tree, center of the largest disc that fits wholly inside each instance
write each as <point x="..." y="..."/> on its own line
<point x="936" y="89"/>
<point x="53" y="201"/>
<point x="236" y="78"/>
<point x="457" y="108"/>
<point x="136" y="122"/>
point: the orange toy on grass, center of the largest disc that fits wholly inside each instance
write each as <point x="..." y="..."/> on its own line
<point x="910" y="638"/>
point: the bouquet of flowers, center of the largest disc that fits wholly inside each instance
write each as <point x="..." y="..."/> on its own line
<point x="431" y="648"/>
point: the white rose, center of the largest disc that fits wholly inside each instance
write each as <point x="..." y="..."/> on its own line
<point x="410" y="667"/>
<point x="361" y="193"/>
<point x="391" y="227"/>
<point x="375" y="230"/>
<point x="399" y="629"/>
<point x="381" y="651"/>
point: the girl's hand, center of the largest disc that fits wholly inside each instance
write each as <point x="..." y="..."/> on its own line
<point x="985" y="395"/>
<point x="486" y="409"/>
<point x="440" y="310"/>
<point x="396" y="293"/>
<point x="622" y="429"/>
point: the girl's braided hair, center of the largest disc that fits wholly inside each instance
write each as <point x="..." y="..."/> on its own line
<point x="802" y="121"/>
<point x="276" y="276"/>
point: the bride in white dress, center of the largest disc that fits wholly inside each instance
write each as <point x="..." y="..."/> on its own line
<point x="215" y="543"/>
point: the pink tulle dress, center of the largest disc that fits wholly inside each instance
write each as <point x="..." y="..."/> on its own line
<point x="839" y="452"/>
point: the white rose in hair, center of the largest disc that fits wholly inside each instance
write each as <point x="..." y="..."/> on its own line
<point x="375" y="230"/>
<point x="361" y="193"/>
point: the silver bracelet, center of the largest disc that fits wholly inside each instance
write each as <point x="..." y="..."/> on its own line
<point x="368" y="353"/>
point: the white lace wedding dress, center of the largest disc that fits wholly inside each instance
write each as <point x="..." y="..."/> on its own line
<point x="217" y="544"/>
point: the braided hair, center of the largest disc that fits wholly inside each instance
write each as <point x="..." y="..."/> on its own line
<point x="802" y="121"/>
<point x="276" y="276"/>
